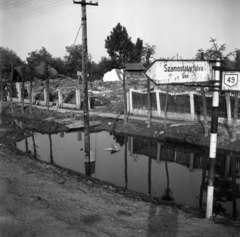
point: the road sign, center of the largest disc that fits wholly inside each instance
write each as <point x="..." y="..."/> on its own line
<point x="230" y="80"/>
<point x="180" y="71"/>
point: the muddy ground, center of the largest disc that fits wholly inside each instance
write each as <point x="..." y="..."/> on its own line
<point x="39" y="199"/>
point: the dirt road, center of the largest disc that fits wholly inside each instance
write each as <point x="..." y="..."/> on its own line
<point x="38" y="199"/>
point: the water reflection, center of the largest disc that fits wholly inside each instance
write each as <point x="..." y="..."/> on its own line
<point x="162" y="170"/>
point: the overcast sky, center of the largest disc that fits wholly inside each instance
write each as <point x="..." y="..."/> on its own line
<point x="174" y="26"/>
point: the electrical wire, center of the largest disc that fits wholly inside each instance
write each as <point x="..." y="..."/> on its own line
<point x="4" y="7"/>
<point x="77" y="34"/>
<point x="35" y="12"/>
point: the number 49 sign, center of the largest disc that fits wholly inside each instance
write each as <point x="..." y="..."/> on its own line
<point x="230" y="81"/>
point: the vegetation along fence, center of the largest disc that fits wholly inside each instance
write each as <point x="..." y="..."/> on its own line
<point x="186" y="105"/>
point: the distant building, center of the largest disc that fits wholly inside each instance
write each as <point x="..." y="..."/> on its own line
<point x="135" y="71"/>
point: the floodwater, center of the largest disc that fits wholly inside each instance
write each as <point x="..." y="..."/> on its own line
<point x="164" y="171"/>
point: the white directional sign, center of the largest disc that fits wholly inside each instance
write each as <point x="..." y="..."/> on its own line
<point x="230" y="81"/>
<point x="180" y="71"/>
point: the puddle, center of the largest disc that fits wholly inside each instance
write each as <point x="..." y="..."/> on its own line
<point x="142" y="165"/>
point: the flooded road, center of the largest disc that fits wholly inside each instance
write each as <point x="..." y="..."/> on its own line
<point x="162" y="170"/>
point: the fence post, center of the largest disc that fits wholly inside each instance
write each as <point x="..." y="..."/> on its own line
<point x="192" y="109"/>
<point x="158" y="102"/>
<point x="130" y="101"/>
<point x="191" y="162"/>
<point x="235" y="117"/>
<point x="78" y="99"/>
<point x="229" y="111"/>
<point x="45" y="95"/>
<point x="227" y="166"/>
<point x="158" y="152"/>
<point x="89" y="105"/>
<point x="205" y="120"/>
<point x="60" y="100"/>
<point x="149" y="104"/>
<point x="28" y="91"/>
<point x="18" y="86"/>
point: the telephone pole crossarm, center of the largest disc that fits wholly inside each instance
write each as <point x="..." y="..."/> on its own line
<point x="92" y="3"/>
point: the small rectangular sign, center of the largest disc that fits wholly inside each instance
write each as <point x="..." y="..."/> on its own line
<point x="180" y="71"/>
<point x="230" y="80"/>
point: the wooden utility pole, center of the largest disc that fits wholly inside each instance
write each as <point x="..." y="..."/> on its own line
<point x="166" y="107"/>
<point x="1" y="81"/>
<point x="124" y="97"/>
<point x="149" y="104"/>
<point x="11" y="88"/>
<point x="47" y="85"/>
<point x="84" y="75"/>
<point x="24" y="75"/>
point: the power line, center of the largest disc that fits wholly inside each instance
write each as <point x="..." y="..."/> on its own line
<point x="34" y="13"/>
<point x="46" y="7"/>
<point x="4" y="7"/>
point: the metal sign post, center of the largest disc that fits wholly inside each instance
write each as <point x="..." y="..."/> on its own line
<point x="195" y="72"/>
<point x="213" y="141"/>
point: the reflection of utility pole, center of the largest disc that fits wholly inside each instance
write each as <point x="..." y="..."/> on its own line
<point x="51" y="153"/>
<point x="234" y="184"/>
<point x="26" y="144"/>
<point x="84" y="74"/>
<point x="34" y="146"/>
<point x="125" y="159"/>
<point x="149" y="169"/>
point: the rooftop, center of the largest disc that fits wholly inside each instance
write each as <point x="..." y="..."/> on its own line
<point x="134" y="67"/>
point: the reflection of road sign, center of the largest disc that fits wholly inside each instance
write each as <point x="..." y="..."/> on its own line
<point x="231" y="81"/>
<point x="180" y="71"/>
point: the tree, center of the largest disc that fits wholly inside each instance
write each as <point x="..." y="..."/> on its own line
<point x="8" y="59"/>
<point x="217" y="52"/>
<point x="148" y="52"/>
<point x="73" y="59"/>
<point x="59" y="65"/>
<point x="138" y="51"/>
<point x="120" y="47"/>
<point x="106" y="64"/>
<point x="237" y="59"/>
<point x="38" y="56"/>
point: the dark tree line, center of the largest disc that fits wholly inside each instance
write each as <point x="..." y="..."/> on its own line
<point x="120" y="49"/>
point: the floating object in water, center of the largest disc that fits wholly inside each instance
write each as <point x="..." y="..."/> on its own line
<point x="112" y="148"/>
<point x="80" y="124"/>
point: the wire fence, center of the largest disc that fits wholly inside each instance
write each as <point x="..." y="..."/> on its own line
<point x="180" y="103"/>
<point x="140" y="100"/>
<point x="175" y="103"/>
